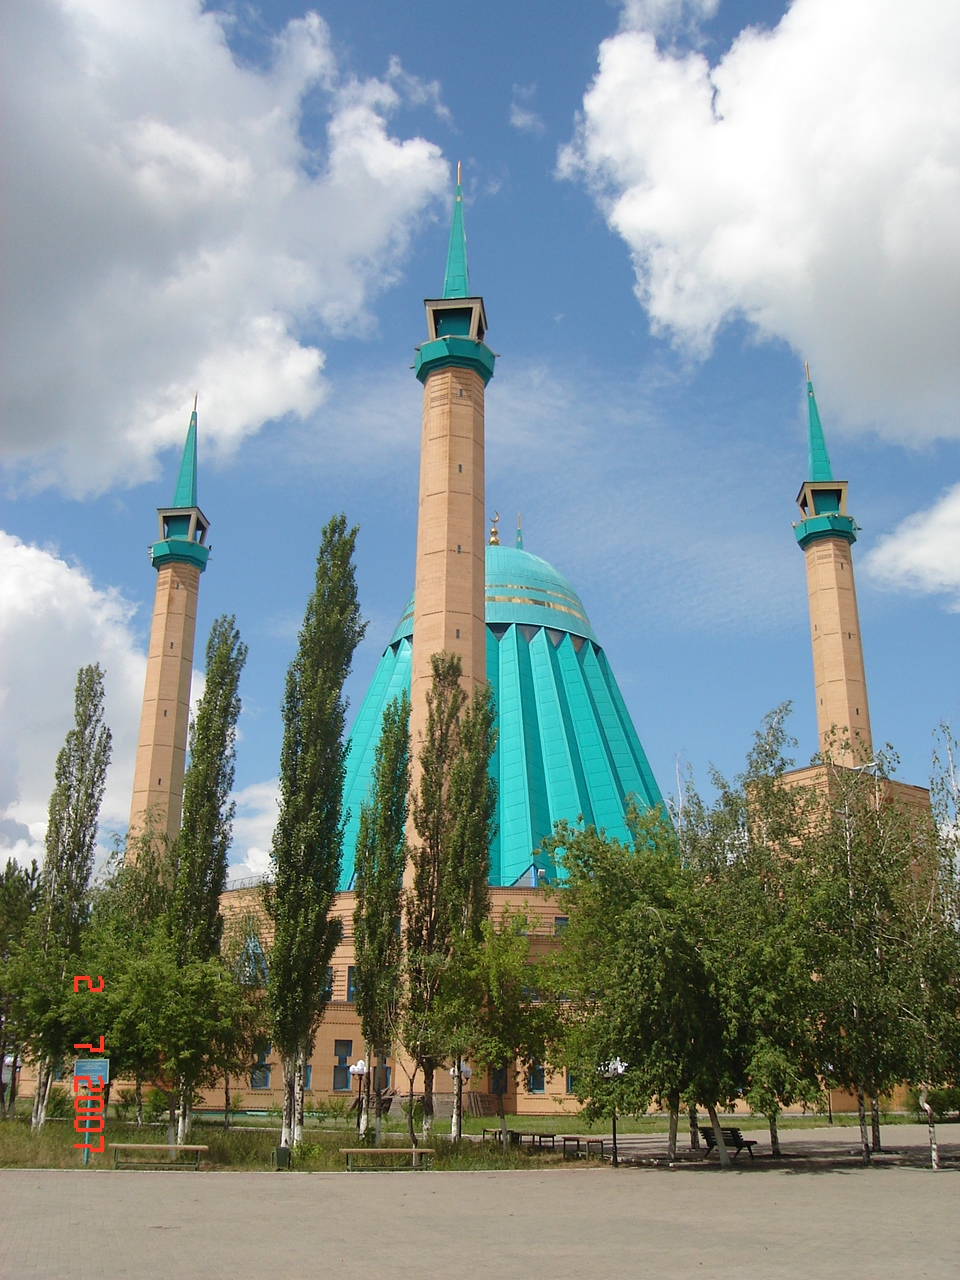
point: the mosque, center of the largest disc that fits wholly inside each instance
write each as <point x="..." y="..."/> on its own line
<point x="567" y="746"/>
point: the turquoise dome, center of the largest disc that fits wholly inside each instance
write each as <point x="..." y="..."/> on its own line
<point x="566" y="744"/>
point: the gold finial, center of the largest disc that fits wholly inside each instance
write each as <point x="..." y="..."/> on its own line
<point x="806" y="366"/>
<point x="458" y="173"/>
<point x="494" y="531"/>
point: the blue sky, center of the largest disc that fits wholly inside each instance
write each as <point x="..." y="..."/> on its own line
<point x="669" y="206"/>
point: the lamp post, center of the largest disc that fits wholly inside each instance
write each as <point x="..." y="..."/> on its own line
<point x="359" y="1069"/>
<point x="459" y="1075"/>
<point x="613" y="1071"/>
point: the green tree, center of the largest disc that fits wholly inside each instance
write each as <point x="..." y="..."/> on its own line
<point x="448" y="899"/>
<point x="507" y="1024"/>
<point x="381" y="857"/>
<point x="19" y="898"/>
<point x="203" y="844"/>
<point x="80" y="779"/>
<point x="308" y="840"/>
<point x="637" y="977"/>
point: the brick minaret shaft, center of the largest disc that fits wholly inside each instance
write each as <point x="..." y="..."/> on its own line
<point x="179" y="557"/>
<point x="454" y="366"/>
<point x="826" y="533"/>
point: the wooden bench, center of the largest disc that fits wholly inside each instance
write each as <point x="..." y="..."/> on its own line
<point x="386" y="1157"/>
<point x="578" y="1140"/>
<point x="517" y="1137"/>
<point x="167" y="1147"/>
<point x="731" y="1137"/>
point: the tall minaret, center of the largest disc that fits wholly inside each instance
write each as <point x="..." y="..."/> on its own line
<point x="826" y="534"/>
<point x="180" y="556"/>
<point x="454" y="366"/>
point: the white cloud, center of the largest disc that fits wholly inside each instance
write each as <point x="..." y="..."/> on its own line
<point x="167" y="228"/>
<point x="666" y="17"/>
<point x="810" y="182"/>
<point x="923" y="552"/>
<point x="53" y="620"/>
<point x="256" y="817"/>
<point x="522" y="115"/>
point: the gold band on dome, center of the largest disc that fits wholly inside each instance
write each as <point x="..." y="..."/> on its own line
<point x="529" y="586"/>
<point x="539" y="604"/>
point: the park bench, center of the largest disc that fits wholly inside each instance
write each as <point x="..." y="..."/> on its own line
<point x="170" y="1149"/>
<point x="578" y="1140"/>
<point x="732" y="1138"/>
<point x="517" y="1137"/>
<point x="386" y="1157"/>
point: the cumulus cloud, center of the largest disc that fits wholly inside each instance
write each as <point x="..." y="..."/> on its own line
<point x="53" y="620"/>
<point x="168" y="227"/>
<point x="809" y="183"/>
<point x="256" y="817"/>
<point x="522" y="115"/>
<point x="666" y="17"/>
<point x="923" y="552"/>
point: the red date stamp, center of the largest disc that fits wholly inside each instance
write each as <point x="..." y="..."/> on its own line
<point x="90" y="1077"/>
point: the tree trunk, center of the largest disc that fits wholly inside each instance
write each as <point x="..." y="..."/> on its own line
<point x="503" y="1122"/>
<point x="875" y="1123"/>
<point x="774" y="1135"/>
<point x="672" y="1140"/>
<point x="226" y="1100"/>
<point x="427" y="1127"/>
<point x="862" y="1113"/>
<point x="299" y="1079"/>
<point x="12" y="1095"/>
<point x="694" y="1130"/>
<point x="722" y="1151"/>
<point x="931" y="1131"/>
<point x="183" y="1127"/>
<point x="378" y="1111"/>
<point x="367" y="1090"/>
<point x="42" y="1095"/>
<point x="172" y="1123"/>
<point x="138" y="1092"/>
<point x="413" y="1136"/>
<point x="288" y="1066"/>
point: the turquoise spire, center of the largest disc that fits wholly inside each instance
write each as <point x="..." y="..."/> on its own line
<point x="519" y="534"/>
<point x="183" y="526"/>
<point x="186" y="491"/>
<point x="818" y="460"/>
<point x="822" y="500"/>
<point x="456" y="279"/>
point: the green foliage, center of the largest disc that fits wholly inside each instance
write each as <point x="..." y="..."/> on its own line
<point x="204" y="841"/>
<point x="381" y="857"/>
<point x="19" y="899"/>
<point x="59" y="1104"/>
<point x="307" y="842"/>
<point x="156" y="1107"/>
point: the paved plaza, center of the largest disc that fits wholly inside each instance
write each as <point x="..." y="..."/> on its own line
<point x="809" y="1220"/>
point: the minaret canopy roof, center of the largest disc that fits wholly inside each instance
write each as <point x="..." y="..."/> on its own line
<point x="183" y="526"/>
<point x="822" y="500"/>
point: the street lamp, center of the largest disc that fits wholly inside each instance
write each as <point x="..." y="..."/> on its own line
<point x="613" y="1071"/>
<point x="464" y="1073"/>
<point x="359" y="1069"/>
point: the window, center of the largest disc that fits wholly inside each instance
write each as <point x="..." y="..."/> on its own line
<point x="328" y="992"/>
<point x="536" y="1082"/>
<point x="571" y="1082"/>
<point x="498" y="1080"/>
<point x="351" y="984"/>
<point x="308" y="1077"/>
<point x="251" y="966"/>
<point x="559" y="924"/>
<point x="260" y="1072"/>
<point x="343" y="1052"/>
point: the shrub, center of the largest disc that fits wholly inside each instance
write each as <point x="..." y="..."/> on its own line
<point x="156" y="1108"/>
<point x="125" y="1103"/>
<point x="59" y="1104"/>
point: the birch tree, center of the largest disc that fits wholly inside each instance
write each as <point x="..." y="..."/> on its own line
<point x="308" y="840"/>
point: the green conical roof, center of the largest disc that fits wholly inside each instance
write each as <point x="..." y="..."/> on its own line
<point x="456" y="279"/>
<point x="186" y="491"/>
<point x="818" y="460"/>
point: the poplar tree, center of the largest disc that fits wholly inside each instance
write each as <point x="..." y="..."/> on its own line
<point x="381" y="856"/>
<point x="207" y="828"/>
<point x="80" y="780"/>
<point x="19" y="897"/>
<point x="448" y="900"/>
<point x="308" y="840"/>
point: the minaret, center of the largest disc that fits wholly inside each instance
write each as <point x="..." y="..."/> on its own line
<point x="180" y="556"/>
<point x="454" y="366"/>
<point x="826" y="533"/>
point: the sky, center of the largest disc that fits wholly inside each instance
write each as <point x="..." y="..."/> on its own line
<point x="670" y="205"/>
